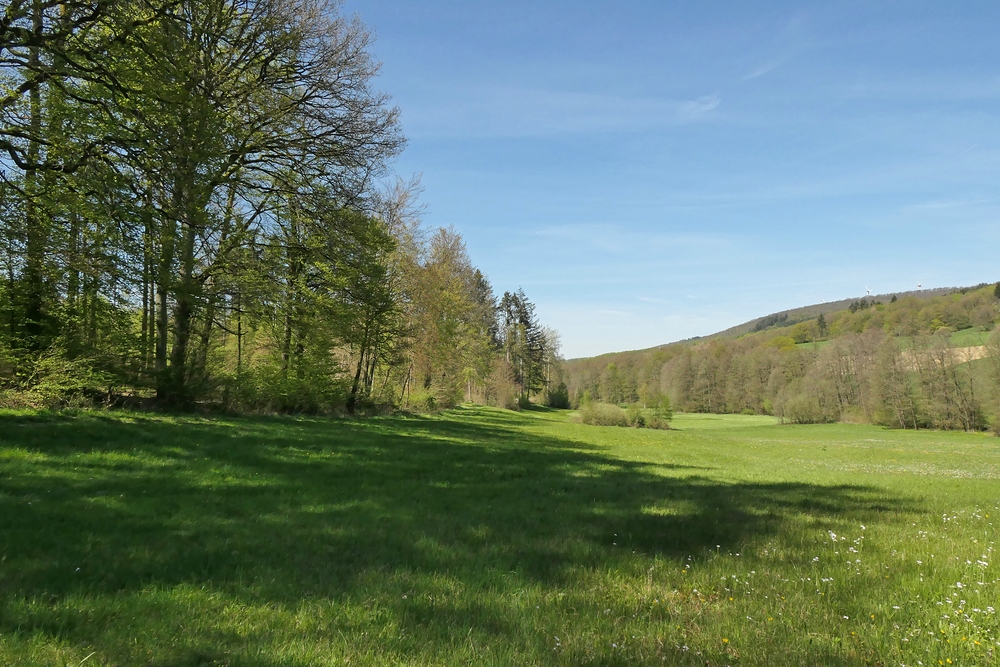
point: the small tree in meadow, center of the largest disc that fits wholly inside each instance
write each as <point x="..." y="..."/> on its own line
<point x="822" y="326"/>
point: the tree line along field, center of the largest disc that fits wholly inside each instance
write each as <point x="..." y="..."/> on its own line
<point x="482" y="536"/>
<point x="198" y="209"/>
<point x="911" y="362"/>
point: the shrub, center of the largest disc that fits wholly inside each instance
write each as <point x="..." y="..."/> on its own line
<point x="52" y="380"/>
<point x="805" y="409"/>
<point x="500" y="390"/>
<point x="603" y="414"/>
<point x="633" y="413"/>
<point x="558" y="397"/>
<point x="657" y="421"/>
<point x="265" y="387"/>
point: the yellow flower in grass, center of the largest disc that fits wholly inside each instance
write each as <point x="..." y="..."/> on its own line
<point x="725" y="641"/>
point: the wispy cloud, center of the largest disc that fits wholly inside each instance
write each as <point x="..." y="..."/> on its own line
<point x="939" y="89"/>
<point x="620" y="238"/>
<point x="764" y="69"/>
<point x="509" y="111"/>
<point x="792" y="38"/>
<point x="946" y="204"/>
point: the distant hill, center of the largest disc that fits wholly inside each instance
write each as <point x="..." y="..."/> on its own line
<point x="908" y="360"/>
<point x="784" y="318"/>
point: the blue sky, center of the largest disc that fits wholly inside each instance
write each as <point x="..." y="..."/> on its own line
<point x="651" y="171"/>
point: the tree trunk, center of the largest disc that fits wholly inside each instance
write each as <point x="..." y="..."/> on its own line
<point x="352" y="400"/>
<point x="73" y="279"/>
<point x="201" y="366"/>
<point x="184" y="307"/>
<point x="163" y="283"/>
<point x="35" y="227"/>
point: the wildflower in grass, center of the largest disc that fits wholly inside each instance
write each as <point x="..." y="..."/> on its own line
<point x="725" y="640"/>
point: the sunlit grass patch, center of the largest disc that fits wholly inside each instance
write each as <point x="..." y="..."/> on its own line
<point x="693" y="421"/>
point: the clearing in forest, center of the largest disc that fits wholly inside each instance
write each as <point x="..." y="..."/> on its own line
<point x="492" y="538"/>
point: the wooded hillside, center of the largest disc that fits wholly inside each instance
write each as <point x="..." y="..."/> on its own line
<point x="907" y="362"/>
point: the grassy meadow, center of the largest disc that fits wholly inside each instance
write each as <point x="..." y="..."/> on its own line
<point x="486" y="537"/>
<point x="973" y="337"/>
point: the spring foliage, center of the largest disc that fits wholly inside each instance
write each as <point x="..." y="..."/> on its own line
<point x="193" y="210"/>
<point x="911" y="363"/>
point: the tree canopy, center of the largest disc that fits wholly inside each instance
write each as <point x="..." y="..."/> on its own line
<point x="194" y="209"/>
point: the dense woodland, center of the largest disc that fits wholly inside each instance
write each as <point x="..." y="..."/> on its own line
<point x="197" y="209"/>
<point x="908" y="363"/>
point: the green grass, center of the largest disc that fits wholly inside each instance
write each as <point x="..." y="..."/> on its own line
<point x="684" y="421"/>
<point x="965" y="338"/>
<point x="491" y="538"/>
<point x="970" y="337"/>
<point x="814" y="345"/>
<point x="973" y="337"/>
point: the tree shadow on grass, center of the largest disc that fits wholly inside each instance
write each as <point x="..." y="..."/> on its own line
<point x="276" y="511"/>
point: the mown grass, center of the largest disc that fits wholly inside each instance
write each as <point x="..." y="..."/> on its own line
<point x="686" y="421"/>
<point x="492" y="538"/>
<point x="973" y="337"/>
<point x="970" y="337"/>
